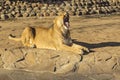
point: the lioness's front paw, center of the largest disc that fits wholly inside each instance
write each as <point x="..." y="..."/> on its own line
<point x="85" y="49"/>
<point x="33" y="46"/>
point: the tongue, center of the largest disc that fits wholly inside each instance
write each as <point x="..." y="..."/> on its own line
<point x="67" y="24"/>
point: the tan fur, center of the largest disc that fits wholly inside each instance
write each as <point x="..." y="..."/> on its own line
<point x="56" y="37"/>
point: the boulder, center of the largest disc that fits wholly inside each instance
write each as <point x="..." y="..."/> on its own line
<point x="39" y="60"/>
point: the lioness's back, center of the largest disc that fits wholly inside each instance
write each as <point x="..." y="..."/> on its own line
<point x="44" y="37"/>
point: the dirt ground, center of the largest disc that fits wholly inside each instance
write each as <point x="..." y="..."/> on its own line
<point x="101" y="35"/>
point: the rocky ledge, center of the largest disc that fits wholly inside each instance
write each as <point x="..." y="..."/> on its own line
<point x="57" y="61"/>
<point x="39" y="60"/>
<point x="46" y="64"/>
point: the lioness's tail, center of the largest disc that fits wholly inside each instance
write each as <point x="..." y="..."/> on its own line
<point x="13" y="38"/>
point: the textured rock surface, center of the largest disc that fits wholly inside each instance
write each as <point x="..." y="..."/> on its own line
<point x="39" y="60"/>
<point x="15" y="9"/>
<point x="24" y="75"/>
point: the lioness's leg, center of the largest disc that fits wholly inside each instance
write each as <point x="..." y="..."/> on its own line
<point x="27" y="33"/>
<point x="75" y="48"/>
<point x="80" y="47"/>
<point x="28" y="36"/>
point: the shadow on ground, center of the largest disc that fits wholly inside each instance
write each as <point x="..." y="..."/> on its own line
<point x="97" y="45"/>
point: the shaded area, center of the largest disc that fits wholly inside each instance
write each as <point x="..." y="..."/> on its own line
<point x="24" y="75"/>
<point x="97" y="45"/>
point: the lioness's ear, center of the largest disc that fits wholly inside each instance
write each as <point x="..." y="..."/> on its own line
<point x="61" y="13"/>
<point x="54" y="21"/>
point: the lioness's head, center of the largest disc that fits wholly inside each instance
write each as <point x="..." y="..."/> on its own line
<point x="62" y="20"/>
<point x="61" y="24"/>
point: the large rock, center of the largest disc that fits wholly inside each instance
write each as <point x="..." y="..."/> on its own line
<point x="39" y="60"/>
<point x="97" y="62"/>
<point x="32" y="59"/>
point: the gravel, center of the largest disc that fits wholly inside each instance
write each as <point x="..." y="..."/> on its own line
<point x="15" y="9"/>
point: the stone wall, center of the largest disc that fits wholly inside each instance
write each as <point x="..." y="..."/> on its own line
<point x="14" y="9"/>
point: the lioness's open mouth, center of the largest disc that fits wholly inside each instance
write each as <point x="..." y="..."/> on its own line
<point x="66" y="21"/>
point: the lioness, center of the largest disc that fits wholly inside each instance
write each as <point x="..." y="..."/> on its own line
<point x="56" y="37"/>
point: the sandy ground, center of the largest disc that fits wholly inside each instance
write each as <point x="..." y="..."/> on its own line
<point x="100" y="35"/>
